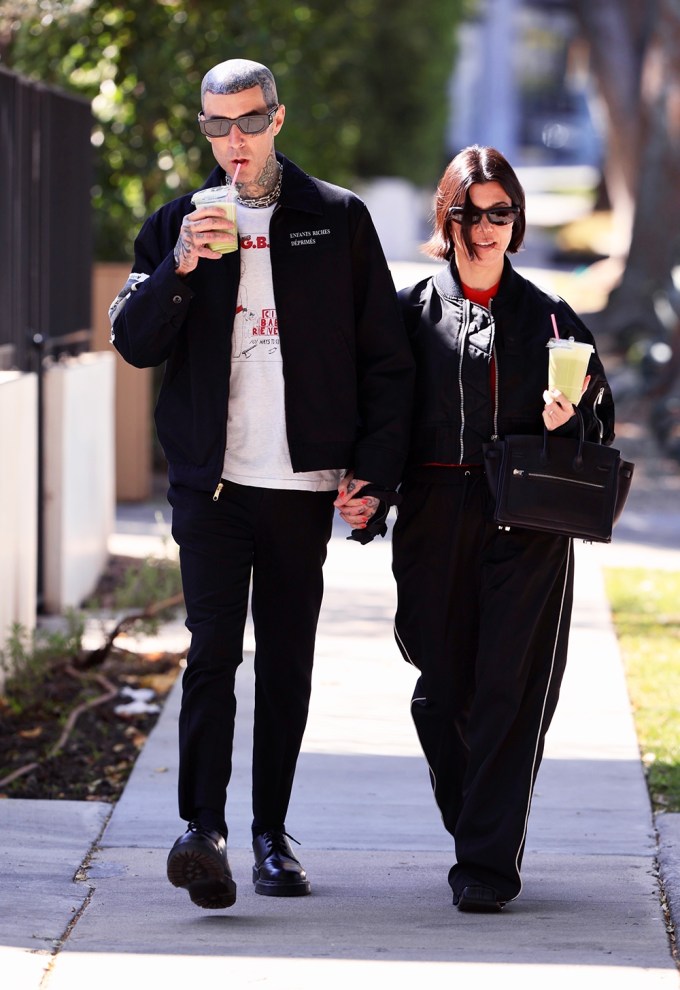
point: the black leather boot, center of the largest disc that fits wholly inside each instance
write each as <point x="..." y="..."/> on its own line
<point x="198" y="862"/>
<point x="277" y="873"/>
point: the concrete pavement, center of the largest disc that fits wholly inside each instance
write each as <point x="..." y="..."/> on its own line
<point x="84" y="900"/>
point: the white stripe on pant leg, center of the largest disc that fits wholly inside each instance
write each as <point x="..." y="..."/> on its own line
<point x="540" y="725"/>
<point x="402" y="647"/>
<point x="433" y="775"/>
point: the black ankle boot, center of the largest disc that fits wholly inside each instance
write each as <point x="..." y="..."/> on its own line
<point x="277" y="873"/>
<point x="198" y="863"/>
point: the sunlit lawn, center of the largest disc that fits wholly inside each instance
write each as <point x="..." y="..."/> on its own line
<point x="646" y="610"/>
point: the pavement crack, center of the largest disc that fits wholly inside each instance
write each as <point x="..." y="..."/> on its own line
<point x="81" y="876"/>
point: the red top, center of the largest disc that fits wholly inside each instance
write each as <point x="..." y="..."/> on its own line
<point x="481" y="296"/>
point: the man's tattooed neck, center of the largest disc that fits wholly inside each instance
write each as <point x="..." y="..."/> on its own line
<point x="265" y="182"/>
<point x="266" y="188"/>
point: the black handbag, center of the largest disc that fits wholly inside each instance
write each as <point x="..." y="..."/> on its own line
<point x="562" y="485"/>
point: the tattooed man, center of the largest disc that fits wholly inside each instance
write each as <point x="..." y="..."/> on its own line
<point x="286" y="390"/>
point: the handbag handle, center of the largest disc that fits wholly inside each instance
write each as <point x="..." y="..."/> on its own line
<point x="578" y="459"/>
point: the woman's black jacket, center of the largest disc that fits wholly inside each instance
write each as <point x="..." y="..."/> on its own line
<point x="459" y="403"/>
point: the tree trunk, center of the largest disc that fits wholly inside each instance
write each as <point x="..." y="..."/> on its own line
<point x="617" y="33"/>
<point x="634" y="60"/>
<point x="655" y="243"/>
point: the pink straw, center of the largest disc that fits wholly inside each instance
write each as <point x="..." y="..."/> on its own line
<point x="552" y="317"/>
<point x="233" y="181"/>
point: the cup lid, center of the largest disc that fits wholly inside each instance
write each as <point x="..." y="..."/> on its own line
<point x="213" y="194"/>
<point x="568" y="343"/>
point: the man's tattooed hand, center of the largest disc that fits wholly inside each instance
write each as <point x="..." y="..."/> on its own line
<point x="198" y="229"/>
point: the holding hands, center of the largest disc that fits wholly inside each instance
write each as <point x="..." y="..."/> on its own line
<point x="354" y="509"/>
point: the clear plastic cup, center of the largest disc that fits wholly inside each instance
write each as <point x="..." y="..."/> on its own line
<point x="568" y="366"/>
<point x="223" y="197"/>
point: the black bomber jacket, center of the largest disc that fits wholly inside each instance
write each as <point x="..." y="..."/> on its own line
<point x="347" y="364"/>
<point x="454" y="341"/>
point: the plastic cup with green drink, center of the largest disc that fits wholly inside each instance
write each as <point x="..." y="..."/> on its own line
<point x="568" y="366"/>
<point x="224" y="197"/>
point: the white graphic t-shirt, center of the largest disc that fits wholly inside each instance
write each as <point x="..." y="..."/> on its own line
<point x="257" y="447"/>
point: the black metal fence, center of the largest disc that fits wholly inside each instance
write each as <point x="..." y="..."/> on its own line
<point x="45" y="221"/>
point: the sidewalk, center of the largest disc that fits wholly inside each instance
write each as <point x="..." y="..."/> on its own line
<point x="372" y="841"/>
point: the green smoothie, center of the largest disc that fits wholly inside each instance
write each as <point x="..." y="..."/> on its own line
<point x="222" y="197"/>
<point x="568" y="366"/>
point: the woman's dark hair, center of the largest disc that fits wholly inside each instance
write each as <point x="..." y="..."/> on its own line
<point x="471" y="165"/>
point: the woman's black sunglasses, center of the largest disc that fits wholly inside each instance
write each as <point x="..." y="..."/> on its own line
<point x="500" y="216"/>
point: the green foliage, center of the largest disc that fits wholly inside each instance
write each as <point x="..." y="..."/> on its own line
<point x="155" y="580"/>
<point x="29" y="656"/>
<point x="364" y="83"/>
<point x="646" y="614"/>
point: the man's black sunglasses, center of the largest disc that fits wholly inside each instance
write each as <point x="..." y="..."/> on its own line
<point x="500" y="216"/>
<point x="250" y="123"/>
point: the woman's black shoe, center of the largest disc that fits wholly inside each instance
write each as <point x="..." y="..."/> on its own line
<point x="478" y="898"/>
<point x="277" y="873"/>
<point x="198" y="862"/>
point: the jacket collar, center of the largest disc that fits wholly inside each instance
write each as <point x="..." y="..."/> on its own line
<point x="448" y="285"/>
<point x="298" y="190"/>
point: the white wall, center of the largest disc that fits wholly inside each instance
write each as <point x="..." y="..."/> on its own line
<point x="399" y="211"/>
<point x="18" y="500"/>
<point x="79" y="480"/>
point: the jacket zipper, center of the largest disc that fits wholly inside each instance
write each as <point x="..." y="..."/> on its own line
<point x="596" y="403"/>
<point x="495" y="376"/>
<point x="492" y="328"/>
<point x="461" y="353"/>
<point x="494" y="435"/>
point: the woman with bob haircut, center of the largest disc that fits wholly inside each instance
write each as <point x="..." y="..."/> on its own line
<point x="483" y="613"/>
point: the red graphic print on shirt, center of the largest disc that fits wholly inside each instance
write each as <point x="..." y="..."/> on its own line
<point x="260" y="242"/>
<point x="268" y="325"/>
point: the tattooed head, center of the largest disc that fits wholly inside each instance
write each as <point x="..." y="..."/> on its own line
<point x="238" y="74"/>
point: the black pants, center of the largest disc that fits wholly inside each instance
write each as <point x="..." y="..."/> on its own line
<point x="280" y="537"/>
<point x="484" y="615"/>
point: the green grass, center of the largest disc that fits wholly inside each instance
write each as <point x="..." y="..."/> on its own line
<point x="646" y="611"/>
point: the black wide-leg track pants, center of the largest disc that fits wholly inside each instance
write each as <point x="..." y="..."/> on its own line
<point x="279" y="537"/>
<point x="484" y="615"/>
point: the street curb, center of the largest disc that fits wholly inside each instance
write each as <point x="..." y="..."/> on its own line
<point x="668" y="828"/>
